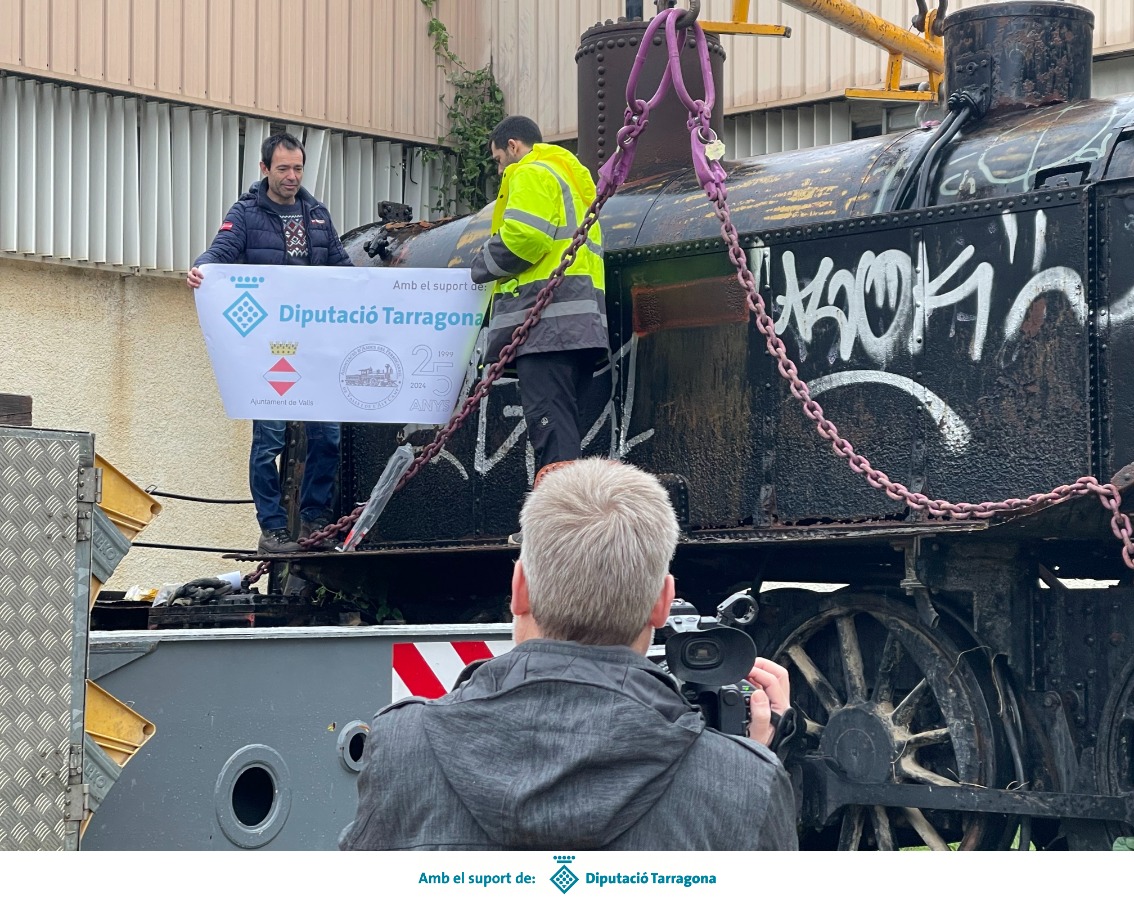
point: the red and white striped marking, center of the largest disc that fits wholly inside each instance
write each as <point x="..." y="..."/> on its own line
<point x="429" y="668"/>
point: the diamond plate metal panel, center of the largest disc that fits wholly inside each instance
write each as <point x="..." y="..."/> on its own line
<point x="44" y="570"/>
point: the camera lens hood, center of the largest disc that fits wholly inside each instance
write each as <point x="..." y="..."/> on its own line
<point x="711" y="656"/>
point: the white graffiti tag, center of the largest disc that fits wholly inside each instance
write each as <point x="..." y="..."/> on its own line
<point x="485" y="461"/>
<point x="884" y="304"/>
<point x="888" y="282"/>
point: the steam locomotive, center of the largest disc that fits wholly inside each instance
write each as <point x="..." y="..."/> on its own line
<point x="961" y="301"/>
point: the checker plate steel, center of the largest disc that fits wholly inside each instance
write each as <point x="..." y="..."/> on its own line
<point x="41" y="684"/>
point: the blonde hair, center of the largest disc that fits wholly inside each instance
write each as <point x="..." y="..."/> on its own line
<point x="598" y="537"/>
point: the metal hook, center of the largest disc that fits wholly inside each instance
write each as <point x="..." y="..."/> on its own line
<point x="918" y="21"/>
<point x="923" y="12"/>
<point x="939" y="22"/>
<point x="688" y="17"/>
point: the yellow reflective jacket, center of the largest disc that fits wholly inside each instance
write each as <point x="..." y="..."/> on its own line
<point x="543" y="198"/>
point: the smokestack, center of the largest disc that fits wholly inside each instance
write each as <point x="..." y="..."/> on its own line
<point x="1028" y="53"/>
<point x="605" y="56"/>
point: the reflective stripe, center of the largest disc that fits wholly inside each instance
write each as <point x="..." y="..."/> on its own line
<point x="563" y="232"/>
<point x="527" y="218"/>
<point x="568" y="200"/>
<point x="551" y="311"/>
<point x="492" y="265"/>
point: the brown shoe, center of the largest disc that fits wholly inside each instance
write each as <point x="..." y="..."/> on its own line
<point x="277" y="540"/>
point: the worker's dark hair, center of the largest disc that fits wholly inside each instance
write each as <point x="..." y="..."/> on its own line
<point x="519" y="128"/>
<point x="290" y="141"/>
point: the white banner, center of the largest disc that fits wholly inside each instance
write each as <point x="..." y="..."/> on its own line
<point x="339" y="344"/>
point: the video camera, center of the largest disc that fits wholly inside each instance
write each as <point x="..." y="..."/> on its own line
<point x="710" y="656"/>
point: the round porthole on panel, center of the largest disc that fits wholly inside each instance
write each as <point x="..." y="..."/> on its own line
<point x="253" y="796"/>
<point x="352" y="741"/>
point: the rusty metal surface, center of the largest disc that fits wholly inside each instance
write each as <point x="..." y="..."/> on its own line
<point x="1036" y="53"/>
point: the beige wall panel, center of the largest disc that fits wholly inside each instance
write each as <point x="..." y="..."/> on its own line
<point x="360" y="75"/>
<point x="11" y="32"/>
<point x="340" y="66"/>
<point x="245" y="53"/>
<point x="64" y="37"/>
<point x="92" y="39"/>
<point x="36" y="38"/>
<point x="792" y="53"/>
<point x="382" y="71"/>
<point x="119" y="41"/>
<point x="1120" y="22"/>
<point x="124" y="358"/>
<point x="269" y="28"/>
<point x="552" y="46"/>
<point x="218" y="74"/>
<point x="427" y="81"/>
<point x="169" y="45"/>
<point x="194" y="52"/>
<point x="290" y="57"/>
<point x="144" y="44"/>
<point x="566" y="109"/>
<point x="504" y="53"/>
<point x="401" y="24"/>
<point x="818" y="67"/>
<point x="312" y="50"/>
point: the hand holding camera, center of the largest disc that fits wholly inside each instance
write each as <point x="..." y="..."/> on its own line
<point x="715" y="661"/>
<point x="770" y="702"/>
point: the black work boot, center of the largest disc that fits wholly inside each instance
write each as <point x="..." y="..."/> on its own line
<point x="277" y="540"/>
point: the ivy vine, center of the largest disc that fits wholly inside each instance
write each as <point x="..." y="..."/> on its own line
<point x="476" y="106"/>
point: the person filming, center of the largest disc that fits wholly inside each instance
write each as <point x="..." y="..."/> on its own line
<point x="574" y="739"/>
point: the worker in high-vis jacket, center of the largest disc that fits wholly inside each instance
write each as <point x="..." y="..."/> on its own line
<point x="544" y="194"/>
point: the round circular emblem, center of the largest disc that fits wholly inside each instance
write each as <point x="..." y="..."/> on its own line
<point x="371" y="376"/>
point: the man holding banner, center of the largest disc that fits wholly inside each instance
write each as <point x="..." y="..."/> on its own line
<point x="279" y="223"/>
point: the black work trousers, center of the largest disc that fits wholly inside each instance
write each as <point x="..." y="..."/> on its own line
<point x="553" y="387"/>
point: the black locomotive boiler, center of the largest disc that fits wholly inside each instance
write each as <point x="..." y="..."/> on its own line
<point x="960" y="299"/>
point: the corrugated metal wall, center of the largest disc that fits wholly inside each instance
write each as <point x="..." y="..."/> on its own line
<point x="363" y="65"/>
<point x="87" y="176"/>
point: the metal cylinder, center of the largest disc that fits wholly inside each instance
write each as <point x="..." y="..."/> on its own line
<point x="1028" y="53"/>
<point x="605" y="56"/>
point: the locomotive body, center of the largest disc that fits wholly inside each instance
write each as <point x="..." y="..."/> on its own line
<point x="975" y="345"/>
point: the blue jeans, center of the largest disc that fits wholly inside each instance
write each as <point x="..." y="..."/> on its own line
<point x="316" y="491"/>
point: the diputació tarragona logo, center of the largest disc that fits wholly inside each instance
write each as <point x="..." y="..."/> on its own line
<point x="245" y="313"/>
<point x="564" y="878"/>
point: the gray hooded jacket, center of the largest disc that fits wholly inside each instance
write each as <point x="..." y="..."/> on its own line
<point x="557" y="745"/>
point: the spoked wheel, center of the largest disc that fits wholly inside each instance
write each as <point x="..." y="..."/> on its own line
<point x="887" y="699"/>
<point x="1116" y="743"/>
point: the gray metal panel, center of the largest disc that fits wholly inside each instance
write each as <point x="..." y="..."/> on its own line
<point x="224" y="701"/>
<point x="45" y="572"/>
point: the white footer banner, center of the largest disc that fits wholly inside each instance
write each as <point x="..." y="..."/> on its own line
<point x="339" y="344"/>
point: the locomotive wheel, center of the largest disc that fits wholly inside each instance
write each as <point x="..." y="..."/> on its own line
<point x="1116" y="743"/>
<point x="889" y="700"/>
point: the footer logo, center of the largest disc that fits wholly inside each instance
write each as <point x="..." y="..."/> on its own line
<point x="564" y="878"/>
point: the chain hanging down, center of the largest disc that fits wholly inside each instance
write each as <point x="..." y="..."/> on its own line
<point x="707" y="150"/>
<point x="711" y="176"/>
